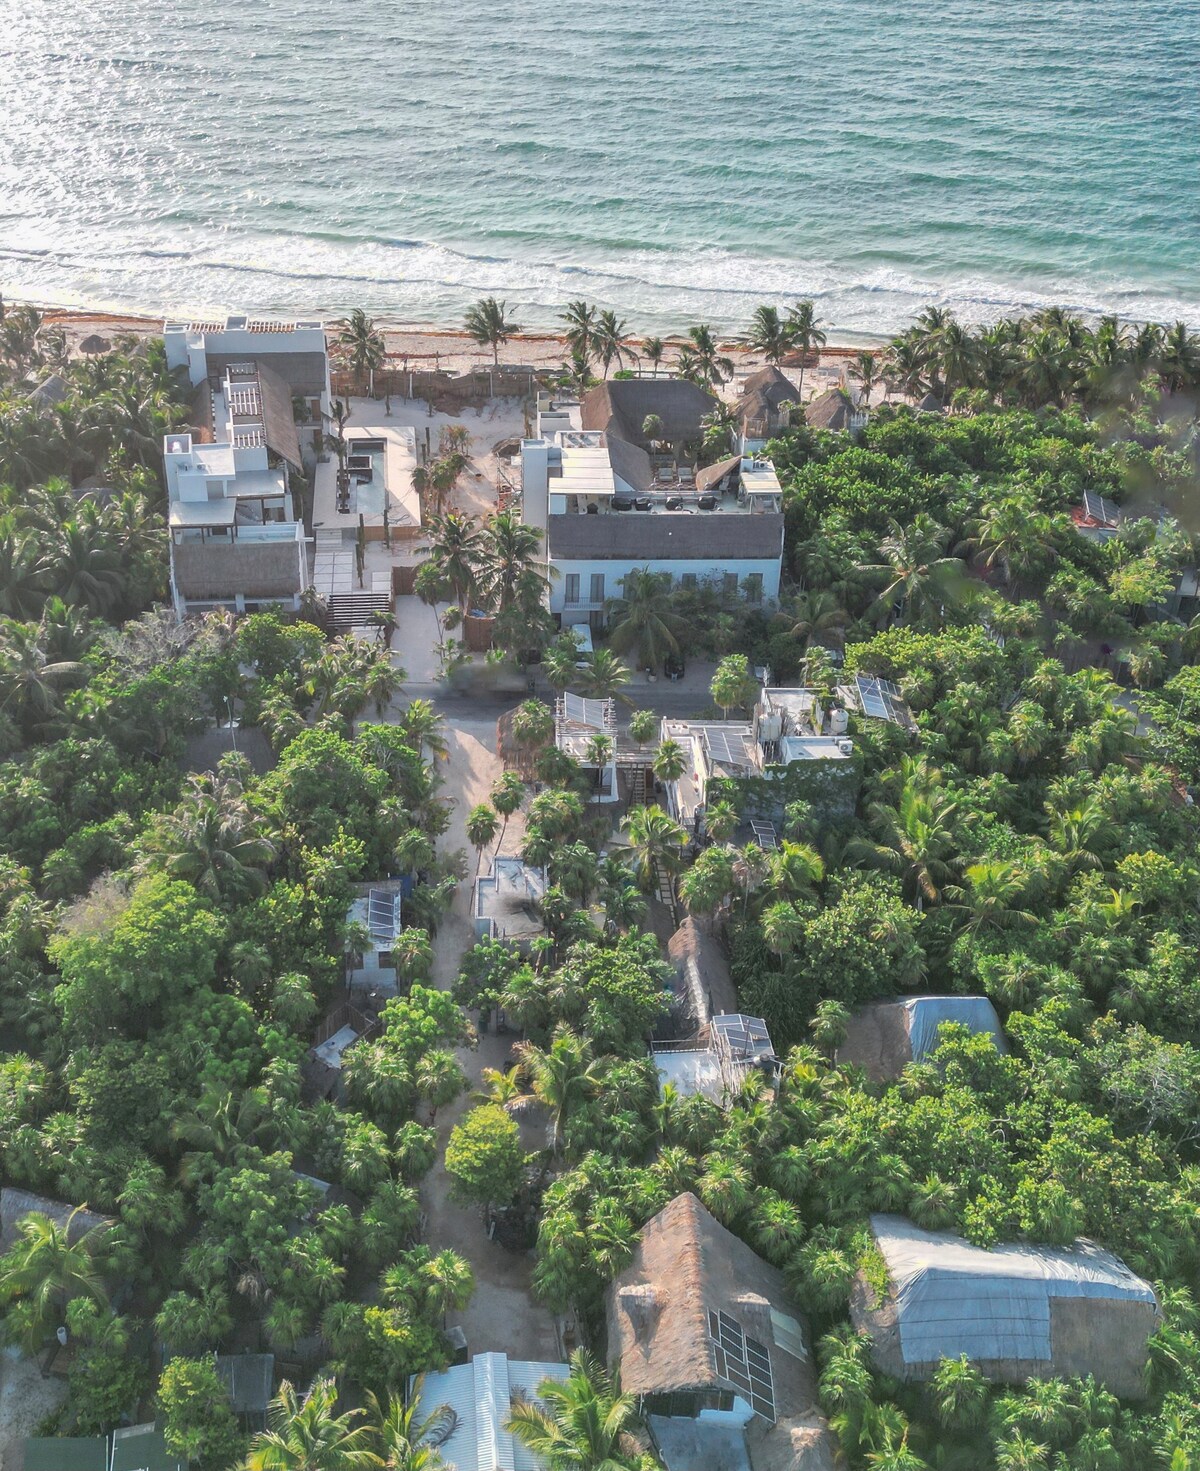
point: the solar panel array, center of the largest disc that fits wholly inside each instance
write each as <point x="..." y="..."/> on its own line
<point x="1099" y="508"/>
<point x="381" y="916"/>
<point x="882" y="699"/>
<point x="743" y="1362"/>
<point x="727" y="747"/>
<point x="747" y="1036"/>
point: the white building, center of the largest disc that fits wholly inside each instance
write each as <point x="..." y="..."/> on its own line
<point x="505" y="902"/>
<point x="294" y="351"/>
<point x="375" y="917"/>
<point x="237" y="540"/>
<point x="479" y="1397"/>
<point x="610" y="504"/>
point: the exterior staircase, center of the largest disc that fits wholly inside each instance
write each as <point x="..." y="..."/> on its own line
<point x="347" y="610"/>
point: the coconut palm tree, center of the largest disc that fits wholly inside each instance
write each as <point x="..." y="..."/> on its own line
<point x="654" y="350"/>
<point x="644" y="618"/>
<point x="805" y="334"/>
<point x="670" y="761"/>
<point x="23" y="575"/>
<point x="212" y="840"/>
<point x="399" y="1440"/>
<point x="611" y="340"/>
<point x="84" y="566"/>
<point x="990" y="902"/>
<point x="446" y="1282"/>
<point x="488" y="323"/>
<point x="307" y="1434"/>
<point x="506" y="796"/>
<point x="656" y="841"/>
<point x="919" y="579"/>
<point x="904" y="369"/>
<point x="32" y="684"/>
<point x="864" y="370"/>
<point x="769" y="334"/>
<point x="482" y="827"/>
<point x="1179" y="359"/>
<point x="580" y="320"/>
<point x="457" y="548"/>
<point x="561" y="1076"/>
<point x="510" y="576"/>
<point x="44" y="1271"/>
<point x="582" y="1424"/>
<point x="706" y="360"/>
<point x="816" y="611"/>
<point x="363" y="345"/>
<point x="605" y="675"/>
<point x="916" y="836"/>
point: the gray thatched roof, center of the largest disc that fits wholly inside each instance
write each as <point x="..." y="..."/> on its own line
<point x="712" y="474"/>
<point x="15" y="1205"/>
<point x="930" y="404"/>
<point x="50" y="391"/>
<point x="883" y="1037"/>
<point x="829" y="410"/>
<point x="632" y="537"/>
<point x="303" y="372"/>
<point x="630" y="462"/>
<point x="763" y="395"/>
<point x="1015" y="1310"/>
<point x="703" y="985"/>
<point x="620" y="407"/>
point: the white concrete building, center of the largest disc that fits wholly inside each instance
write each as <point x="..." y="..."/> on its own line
<point x="479" y="1397"/>
<point x="610" y="504"/>
<point x="375" y="916"/>
<point x="505" y="902"/>
<point x="237" y="540"/>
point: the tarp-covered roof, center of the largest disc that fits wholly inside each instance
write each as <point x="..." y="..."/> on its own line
<point x="953" y="1298"/>
<point x="142" y="1448"/>
<point x="885" y="1036"/>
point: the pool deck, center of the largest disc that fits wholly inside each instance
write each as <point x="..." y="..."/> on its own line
<point x="400" y="460"/>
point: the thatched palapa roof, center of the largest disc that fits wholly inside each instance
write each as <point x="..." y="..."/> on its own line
<point x="703" y="985"/>
<point x="15" y="1205"/>
<point x="829" y="410"/>
<point x="713" y="474"/>
<point x="620" y="408"/>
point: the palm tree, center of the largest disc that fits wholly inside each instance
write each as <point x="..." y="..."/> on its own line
<point x="769" y="334"/>
<point x="643" y="618"/>
<point x="670" y="761"/>
<point x="507" y="794"/>
<point x="654" y="350"/>
<point x="991" y="899"/>
<point x="805" y="334"/>
<point x="23" y="576"/>
<point x="487" y="323"/>
<point x="580" y="320"/>
<point x="31" y="684"/>
<point x="904" y="368"/>
<point x="584" y="1424"/>
<point x="919" y="578"/>
<point x="707" y="363"/>
<point x="399" y="1439"/>
<point x="605" y="675"/>
<point x="656" y="841"/>
<point x="306" y="1434"/>
<point x="1179" y="359"/>
<point x="916" y="836"/>
<point x="43" y="1272"/>
<point x="510" y="578"/>
<point x="482" y="827"/>
<point x="816" y="611"/>
<point x="212" y="840"/>
<point x="864" y="370"/>
<point x="611" y="339"/>
<point x="561" y="1076"/>
<point x="446" y="1282"/>
<point x="457" y="548"/>
<point x="363" y="344"/>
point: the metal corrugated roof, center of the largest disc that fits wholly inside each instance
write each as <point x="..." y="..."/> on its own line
<point x="480" y="1394"/>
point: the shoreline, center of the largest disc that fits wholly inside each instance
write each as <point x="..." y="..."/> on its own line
<point x="421" y="343"/>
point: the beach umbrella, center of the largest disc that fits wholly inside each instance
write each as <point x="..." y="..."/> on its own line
<point x="94" y="343"/>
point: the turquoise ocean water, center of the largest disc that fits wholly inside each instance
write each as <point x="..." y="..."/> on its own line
<point x="676" y="159"/>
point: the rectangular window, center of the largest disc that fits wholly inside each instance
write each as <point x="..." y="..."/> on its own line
<point x="571" y="588"/>
<point x="688" y="581"/>
<point x="731" y="584"/>
<point x="597" y="596"/>
<point x="753" y="588"/>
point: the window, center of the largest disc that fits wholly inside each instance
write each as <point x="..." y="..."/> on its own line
<point x="571" y="583"/>
<point x="597" y="596"/>
<point x="753" y="587"/>
<point x="688" y="581"/>
<point x="731" y="584"/>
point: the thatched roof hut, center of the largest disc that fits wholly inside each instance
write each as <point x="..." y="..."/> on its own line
<point x="621" y="406"/>
<point x="702" y="986"/>
<point x="699" y="1320"/>
<point x="760" y="408"/>
<point x="1016" y="1311"/>
<point x="829" y="410"/>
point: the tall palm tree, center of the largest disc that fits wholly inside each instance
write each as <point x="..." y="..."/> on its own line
<point x="511" y="576"/>
<point x="363" y="344"/>
<point x="402" y="1441"/>
<point x="446" y="1282"/>
<point x="769" y="334"/>
<point x="488" y="323"/>
<point x="904" y="368"/>
<point x="605" y="675"/>
<point x="655" y="840"/>
<point x="864" y="371"/>
<point x="307" y="1434"/>
<point x="706" y="359"/>
<point x="1179" y="359"/>
<point x="506" y="796"/>
<point x="31" y="683"/>
<point x="580" y="320"/>
<point x="915" y="837"/>
<point x="670" y="761"/>
<point x="814" y="612"/>
<point x="806" y="334"/>
<point x="43" y="1272"/>
<point x="611" y="340"/>
<point x="582" y="1424"/>
<point x="24" y="578"/>
<point x="457" y="547"/>
<point x="654" y="350"/>
<point x="644" y="618"/>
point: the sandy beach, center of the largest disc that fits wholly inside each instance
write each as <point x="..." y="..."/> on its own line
<point x="423" y="346"/>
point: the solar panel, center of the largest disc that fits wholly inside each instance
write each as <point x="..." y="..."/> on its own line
<point x="882" y="700"/>
<point x="1099" y="508"/>
<point x="727" y="746"/>
<point x="747" y="1036"/>
<point x="743" y="1361"/>
<point x="381" y="915"/>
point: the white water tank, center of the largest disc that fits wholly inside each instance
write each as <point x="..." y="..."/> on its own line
<point x="839" y="721"/>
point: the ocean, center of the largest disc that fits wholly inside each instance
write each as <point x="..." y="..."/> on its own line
<point x="679" y="161"/>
